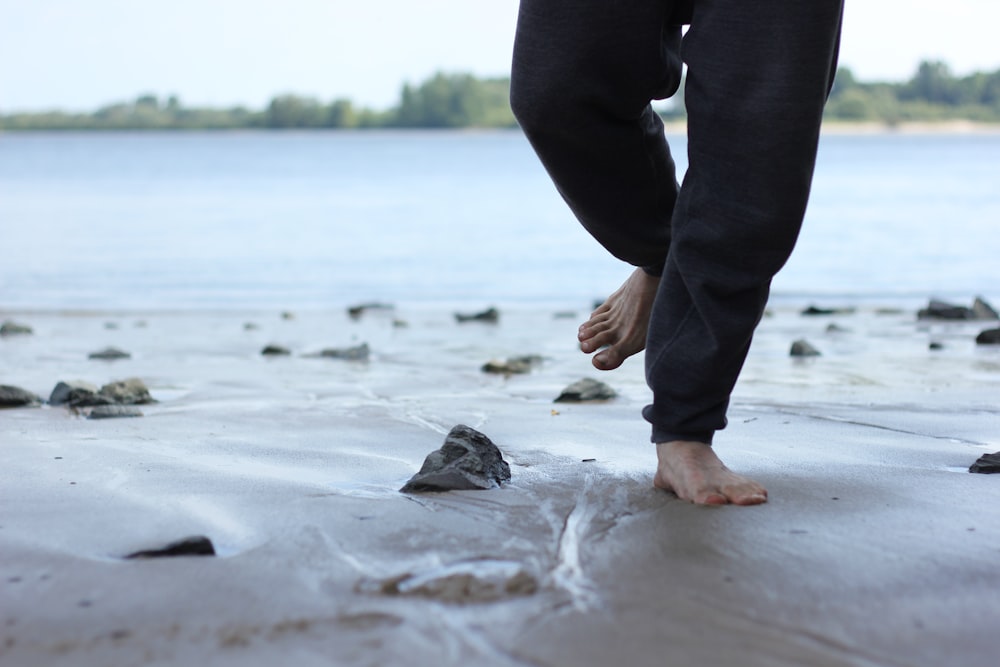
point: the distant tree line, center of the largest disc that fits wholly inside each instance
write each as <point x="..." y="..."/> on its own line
<point x="462" y="100"/>
<point x="932" y="94"/>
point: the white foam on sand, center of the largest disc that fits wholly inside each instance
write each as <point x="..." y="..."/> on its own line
<point x="871" y="550"/>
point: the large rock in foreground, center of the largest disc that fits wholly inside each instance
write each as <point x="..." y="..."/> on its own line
<point x="987" y="464"/>
<point x="468" y="460"/>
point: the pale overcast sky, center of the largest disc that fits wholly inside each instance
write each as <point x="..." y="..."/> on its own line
<point x="80" y="54"/>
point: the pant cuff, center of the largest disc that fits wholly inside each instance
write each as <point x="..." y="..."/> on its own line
<point x="660" y="436"/>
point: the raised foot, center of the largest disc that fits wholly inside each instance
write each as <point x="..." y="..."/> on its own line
<point x="619" y="325"/>
<point x="694" y="473"/>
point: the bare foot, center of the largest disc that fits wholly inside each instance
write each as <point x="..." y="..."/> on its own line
<point x="693" y="472"/>
<point x="619" y="325"/>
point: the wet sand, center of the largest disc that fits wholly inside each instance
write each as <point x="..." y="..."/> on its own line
<point x="876" y="547"/>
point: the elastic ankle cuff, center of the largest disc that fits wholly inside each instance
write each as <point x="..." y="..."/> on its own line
<point x="667" y="436"/>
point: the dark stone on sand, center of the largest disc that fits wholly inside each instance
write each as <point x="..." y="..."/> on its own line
<point x="941" y="310"/>
<point x="356" y="353"/>
<point x="63" y="391"/>
<point x="987" y="464"/>
<point x="513" y="365"/>
<point x="250" y="326"/>
<point x="934" y="345"/>
<point x="114" y="412"/>
<point x="288" y="315"/>
<point x="132" y="391"/>
<point x="356" y="311"/>
<point x="467" y="460"/>
<point x="490" y="315"/>
<point x="816" y="310"/>
<point x="15" y="397"/>
<point x="584" y="390"/>
<point x="10" y="328"/>
<point x="109" y="354"/>
<point x="988" y="337"/>
<point x="803" y="348"/>
<point x="835" y="328"/>
<point x="275" y="351"/>
<point x="198" y="545"/>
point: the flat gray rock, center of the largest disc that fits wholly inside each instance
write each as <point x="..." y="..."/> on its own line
<point x="275" y="351"/>
<point x="355" y="353"/>
<point x="15" y="397"/>
<point x="468" y="460"/>
<point x="114" y="412"/>
<point x="584" y="390"/>
<point x="109" y="354"/>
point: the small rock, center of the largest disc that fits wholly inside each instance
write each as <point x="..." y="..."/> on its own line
<point x="63" y="391"/>
<point x="250" y="326"/>
<point x="400" y="324"/>
<point x="834" y="328"/>
<point x="987" y="464"/>
<point x="109" y="354"/>
<point x="586" y="389"/>
<point x="288" y="315"/>
<point x="10" y="328"/>
<point x="356" y="353"/>
<point x="114" y="412"/>
<point x="355" y="312"/>
<point x="935" y="345"/>
<point x="275" y="351"/>
<point x="132" y="391"/>
<point x="988" y="337"/>
<point x="198" y="545"/>
<point x="15" y="397"/>
<point x="802" y="348"/>
<point x="889" y="311"/>
<point x="816" y="310"/>
<point x="111" y="326"/>
<point x="940" y="310"/>
<point x="981" y="310"/>
<point x="491" y="316"/>
<point x="467" y="460"/>
<point x="513" y="365"/>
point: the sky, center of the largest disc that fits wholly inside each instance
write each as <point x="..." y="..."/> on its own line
<point x="81" y="54"/>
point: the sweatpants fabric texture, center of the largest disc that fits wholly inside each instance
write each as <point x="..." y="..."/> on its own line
<point x="584" y="73"/>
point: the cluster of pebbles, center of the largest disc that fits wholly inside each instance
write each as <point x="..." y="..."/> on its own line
<point x="115" y="399"/>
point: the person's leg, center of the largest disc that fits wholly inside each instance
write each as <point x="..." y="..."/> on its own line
<point x="759" y="74"/>
<point x="583" y="75"/>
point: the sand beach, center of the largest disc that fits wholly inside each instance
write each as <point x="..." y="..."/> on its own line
<point x="877" y="546"/>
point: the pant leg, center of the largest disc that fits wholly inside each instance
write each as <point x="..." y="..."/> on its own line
<point x="583" y="75"/>
<point x="758" y="77"/>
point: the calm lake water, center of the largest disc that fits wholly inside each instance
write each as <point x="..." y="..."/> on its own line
<point x="320" y="220"/>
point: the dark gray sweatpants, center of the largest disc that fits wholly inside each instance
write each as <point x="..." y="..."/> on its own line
<point x="759" y="72"/>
